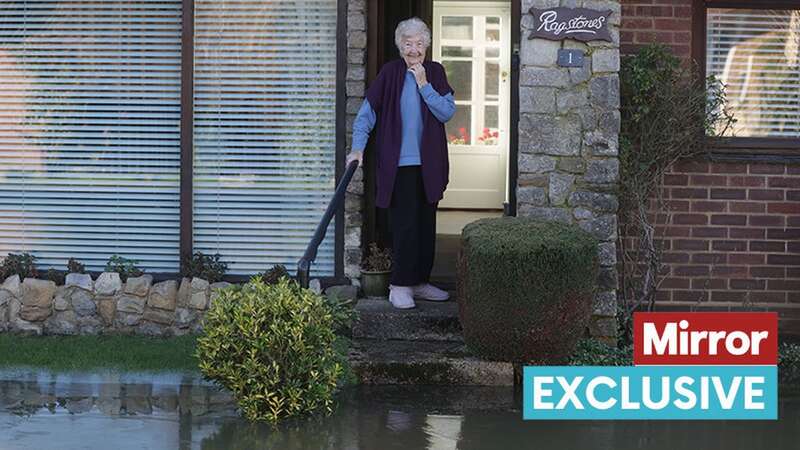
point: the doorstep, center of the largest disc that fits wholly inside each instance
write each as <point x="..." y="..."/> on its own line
<point x="376" y="361"/>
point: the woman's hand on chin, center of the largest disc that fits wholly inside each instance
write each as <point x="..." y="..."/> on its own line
<point x="419" y="73"/>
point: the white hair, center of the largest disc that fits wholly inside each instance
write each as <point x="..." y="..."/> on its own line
<point x="409" y="28"/>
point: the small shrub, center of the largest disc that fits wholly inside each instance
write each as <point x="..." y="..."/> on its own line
<point x="525" y="288"/>
<point x="377" y="259"/>
<point x="74" y="266"/>
<point x="668" y="113"/>
<point x="56" y="276"/>
<point x="274" y="347"/>
<point x="22" y="264"/>
<point x="277" y="273"/>
<point x="199" y="265"/>
<point x="124" y="267"/>
<point x="590" y="352"/>
<point x="789" y="363"/>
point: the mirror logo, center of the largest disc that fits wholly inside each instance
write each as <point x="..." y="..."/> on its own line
<point x="695" y="366"/>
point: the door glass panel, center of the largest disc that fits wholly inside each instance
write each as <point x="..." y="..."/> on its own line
<point x="492" y="35"/>
<point x="493" y="52"/>
<point x="458" y="127"/>
<point x="457" y="52"/>
<point x="490" y="117"/>
<point x="489" y="132"/>
<point x="457" y="28"/>
<point x="493" y="20"/>
<point x="492" y="81"/>
<point x="459" y="74"/>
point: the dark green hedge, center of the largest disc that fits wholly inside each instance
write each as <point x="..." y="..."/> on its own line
<point x="525" y="288"/>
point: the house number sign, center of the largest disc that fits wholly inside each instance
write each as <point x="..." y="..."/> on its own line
<point x="581" y="24"/>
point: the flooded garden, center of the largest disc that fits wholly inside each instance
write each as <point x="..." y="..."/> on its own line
<point x="106" y="410"/>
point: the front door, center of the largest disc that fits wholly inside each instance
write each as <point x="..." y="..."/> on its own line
<point x="472" y="41"/>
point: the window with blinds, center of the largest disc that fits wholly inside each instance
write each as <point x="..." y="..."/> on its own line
<point x="264" y="130"/>
<point x="89" y="131"/>
<point x="756" y="55"/>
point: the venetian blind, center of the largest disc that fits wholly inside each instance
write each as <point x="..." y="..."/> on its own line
<point x="264" y="130"/>
<point x="89" y="131"/>
<point x="756" y="54"/>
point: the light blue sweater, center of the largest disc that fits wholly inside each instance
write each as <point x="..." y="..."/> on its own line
<point x="442" y="107"/>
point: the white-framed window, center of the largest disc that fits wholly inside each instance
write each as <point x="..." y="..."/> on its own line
<point x="90" y="111"/>
<point x="755" y="53"/>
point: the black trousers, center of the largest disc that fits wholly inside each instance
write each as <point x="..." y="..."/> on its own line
<point x="413" y="224"/>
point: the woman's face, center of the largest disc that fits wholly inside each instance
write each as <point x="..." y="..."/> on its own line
<point x="412" y="49"/>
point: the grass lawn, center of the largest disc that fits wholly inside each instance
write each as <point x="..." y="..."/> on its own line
<point x="129" y="353"/>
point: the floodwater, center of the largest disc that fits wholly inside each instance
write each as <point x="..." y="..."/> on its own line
<point x="41" y="410"/>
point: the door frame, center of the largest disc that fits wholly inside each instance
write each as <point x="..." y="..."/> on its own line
<point x="376" y="40"/>
<point x="483" y="7"/>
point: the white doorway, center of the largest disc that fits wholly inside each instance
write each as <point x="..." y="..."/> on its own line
<point x="472" y="41"/>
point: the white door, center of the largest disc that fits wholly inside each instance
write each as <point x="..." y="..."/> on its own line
<point x="472" y="41"/>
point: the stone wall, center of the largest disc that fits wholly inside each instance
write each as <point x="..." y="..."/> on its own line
<point x="355" y="85"/>
<point x="106" y="305"/>
<point x="568" y="140"/>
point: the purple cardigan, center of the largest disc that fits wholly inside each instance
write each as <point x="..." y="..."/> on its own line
<point x="384" y="97"/>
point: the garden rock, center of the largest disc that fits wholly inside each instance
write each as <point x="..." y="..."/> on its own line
<point x="150" y="329"/>
<point x="159" y="316"/>
<point x="315" y="286"/>
<point x="12" y="285"/>
<point x="90" y="325"/>
<point x="139" y="285"/>
<point x="199" y="298"/>
<point x="164" y="295"/>
<point x="128" y="319"/>
<point x="64" y="322"/>
<point x="107" y="308"/>
<point x="60" y="302"/>
<point x="343" y="292"/>
<point x="108" y="283"/>
<point x="37" y="299"/>
<point x="131" y="304"/>
<point x="81" y="280"/>
<point x="184" y="317"/>
<point x="82" y="302"/>
<point x="185" y="292"/>
<point x="16" y="324"/>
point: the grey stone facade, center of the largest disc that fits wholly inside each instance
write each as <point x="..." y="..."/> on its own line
<point x="568" y="141"/>
<point x="355" y="87"/>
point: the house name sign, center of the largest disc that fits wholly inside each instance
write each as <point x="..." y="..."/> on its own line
<point x="581" y="24"/>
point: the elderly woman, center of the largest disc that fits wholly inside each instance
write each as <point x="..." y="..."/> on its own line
<point x="410" y="100"/>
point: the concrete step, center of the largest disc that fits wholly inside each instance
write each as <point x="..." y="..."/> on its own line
<point x="429" y="321"/>
<point x="377" y="361"/>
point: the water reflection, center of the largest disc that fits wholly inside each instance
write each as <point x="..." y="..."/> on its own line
<point x="58" y="411"/>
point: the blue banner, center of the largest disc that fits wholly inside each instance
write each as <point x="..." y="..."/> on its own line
<point x="650" y="392"/>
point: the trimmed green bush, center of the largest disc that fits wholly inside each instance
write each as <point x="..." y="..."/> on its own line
<point x="525" y="288"/>
<point x="273" y="347"/>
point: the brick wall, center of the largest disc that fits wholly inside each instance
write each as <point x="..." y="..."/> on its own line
<point x="733" y="241"/>
<point x="733" y="238"/>
<point x="665" y="21"/>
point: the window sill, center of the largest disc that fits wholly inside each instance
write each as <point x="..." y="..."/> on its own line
<point x="774" y="150"/>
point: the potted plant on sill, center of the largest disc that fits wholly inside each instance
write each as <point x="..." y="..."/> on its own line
<point x="376" y="271"/>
